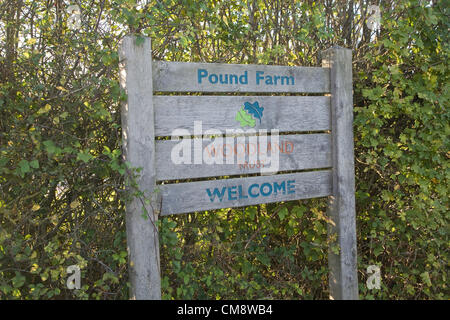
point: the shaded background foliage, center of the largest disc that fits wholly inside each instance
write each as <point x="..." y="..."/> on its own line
<point x="62" y="179"/>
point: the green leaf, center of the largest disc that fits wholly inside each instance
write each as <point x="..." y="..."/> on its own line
<point x="298" y="211"/>
<point x="264" y="259"/>
<point x="49" y="146"/>
<point x="34" y="164"/>
<point x="184" y="41"/>
<point x="18" y="281"/>
<point x="84" y="156"/>
<point x="425" y="276"/>
<point x="283" y="213"/>
<point x="24" y="166"/>
<point x="186" y="279"/>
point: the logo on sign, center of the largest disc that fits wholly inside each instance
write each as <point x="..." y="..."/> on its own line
<point x="249" y="113"/>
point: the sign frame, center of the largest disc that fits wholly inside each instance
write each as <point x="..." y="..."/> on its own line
<point x="139" y="75"/>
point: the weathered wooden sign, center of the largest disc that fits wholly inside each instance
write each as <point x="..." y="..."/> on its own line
<point x="302" y="147"/>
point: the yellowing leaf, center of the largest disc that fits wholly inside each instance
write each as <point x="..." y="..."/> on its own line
<point x="44" y="109"/>
<point x="31" y="41"/>
<point x="34" y="267"/>
<point x="36" y="207"/>
<point x="44" y="275"/>
<point x="74" y="204"/>
<point x="61" y="88"/>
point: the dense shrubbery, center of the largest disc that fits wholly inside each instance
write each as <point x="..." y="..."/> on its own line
<point x="61" y="175"/>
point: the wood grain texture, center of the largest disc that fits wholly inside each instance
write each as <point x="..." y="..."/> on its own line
<point x="292" y="113"/>
<point x="295" y="152"/>
<point x="183" y="77"/>
<point x="193" y="196"/>
<point x="139" y="149"/>
<point x="343" y="267"/>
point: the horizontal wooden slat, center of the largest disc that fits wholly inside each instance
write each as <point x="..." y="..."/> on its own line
<point x="292" y="113"/>
<point x="198" y="77"/>
<point x="296" y="152"/>
<point x="194" y="196"/>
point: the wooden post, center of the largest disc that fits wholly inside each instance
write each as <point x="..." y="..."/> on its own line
<point x="138" y="135"/>
<point x="343" y="267"/>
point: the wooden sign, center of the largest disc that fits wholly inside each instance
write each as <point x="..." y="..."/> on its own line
<point x="301" y="147"/>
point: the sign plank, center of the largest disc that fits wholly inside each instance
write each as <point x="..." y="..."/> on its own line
<point x="229" y="193"/>
<point x="295" y="152"/>
<point x="218" y="77"/>
<point x="287" y="114"/>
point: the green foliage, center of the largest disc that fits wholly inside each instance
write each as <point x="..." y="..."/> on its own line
<point x="62" y="176"/>
<point x="61" y="172"/>
<point x="240" y="253"/>
<point x="402" y="127"/>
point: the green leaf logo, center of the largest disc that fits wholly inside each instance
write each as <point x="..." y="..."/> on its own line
<point x="245" y="119"/>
